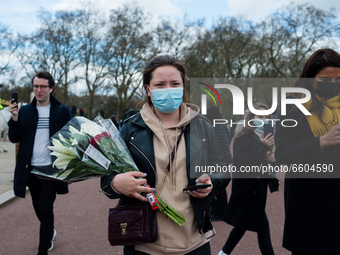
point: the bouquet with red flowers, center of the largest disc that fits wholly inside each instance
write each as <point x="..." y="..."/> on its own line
<point x="85" y="149"/>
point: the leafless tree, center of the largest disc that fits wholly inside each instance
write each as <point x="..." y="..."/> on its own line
<point x="59" y="32"/>
<point x="224" y="51"/>
<point x="95" y="52"/>
<point x="130" y="38"/>
<point x="309" y="28"/>
<point x="53" y="48"/>
<point x="7" y="48"/>
<point x="107" y="54"/>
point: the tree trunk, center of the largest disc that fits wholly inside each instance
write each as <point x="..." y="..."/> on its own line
<point x="90" y="108"/>
<point x="66" y="89"/>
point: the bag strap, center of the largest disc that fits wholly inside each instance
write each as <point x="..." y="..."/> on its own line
<point x="167" y="169"/>
<point x="175" y="148"/>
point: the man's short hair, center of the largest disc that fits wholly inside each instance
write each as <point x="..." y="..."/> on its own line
<point x="45" y="75"/>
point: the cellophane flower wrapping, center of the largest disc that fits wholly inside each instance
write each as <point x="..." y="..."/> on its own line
<point x="85" y="149"/>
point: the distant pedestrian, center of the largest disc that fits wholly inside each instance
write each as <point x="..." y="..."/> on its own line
<point x="312" y="198"/>
<point x="113" y="118"/>
<point x="246" y="208"/>
<point x="32" y="126"/>
<point x="237" y="129"/>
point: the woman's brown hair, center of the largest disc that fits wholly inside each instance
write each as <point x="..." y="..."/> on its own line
<point x="318" y="61"/>
<point x="159" y="61"/>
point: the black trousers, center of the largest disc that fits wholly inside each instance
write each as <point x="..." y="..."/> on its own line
<point x="203" y="250"/>
<point x="263" y="237"/>
<point x="43" y="193"/>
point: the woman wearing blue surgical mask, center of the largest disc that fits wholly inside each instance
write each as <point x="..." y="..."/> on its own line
<point x="246" y="209"/>
<point x="159" y="138"/>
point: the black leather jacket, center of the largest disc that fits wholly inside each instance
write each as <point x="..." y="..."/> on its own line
<point x="202" y="146"/>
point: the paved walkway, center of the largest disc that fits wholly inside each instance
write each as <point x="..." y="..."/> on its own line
<point x="7" y="164"/>
<point x="81" y="220"/>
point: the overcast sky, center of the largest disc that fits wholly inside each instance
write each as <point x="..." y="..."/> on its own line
<point x="21" y="15"/>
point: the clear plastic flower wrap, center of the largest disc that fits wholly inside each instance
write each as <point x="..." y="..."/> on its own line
<point x="85" y="149"/>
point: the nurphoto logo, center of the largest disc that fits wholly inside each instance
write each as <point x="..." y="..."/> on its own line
<point x="238" y="101"/>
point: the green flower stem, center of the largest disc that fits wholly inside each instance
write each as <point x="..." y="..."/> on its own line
<point x="169" y="211"/>
<point x="173" y="212"/>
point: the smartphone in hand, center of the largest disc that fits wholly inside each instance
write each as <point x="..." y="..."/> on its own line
<point x="268" y="128"/>
<point x="195" y="187"/>
<point x="14" y="98"/>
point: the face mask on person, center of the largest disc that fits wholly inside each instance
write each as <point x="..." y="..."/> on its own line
<point x="167" y="100"/>
<point x="259" y="123"/>
<point x="327" y="89"/>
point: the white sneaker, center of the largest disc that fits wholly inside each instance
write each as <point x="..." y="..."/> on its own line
<point x="53" y="239"/>
<point x="51" y="248"/>
<point x="222" y="253"/>
<point x="54" y="235"/>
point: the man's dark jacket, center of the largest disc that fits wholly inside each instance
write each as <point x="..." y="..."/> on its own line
<point x="24" y="130"/>
<point x="200" y="140"/>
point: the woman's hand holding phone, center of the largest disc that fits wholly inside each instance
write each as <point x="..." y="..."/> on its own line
<point x="201" y="193"/>
<point x="268" y="140"/>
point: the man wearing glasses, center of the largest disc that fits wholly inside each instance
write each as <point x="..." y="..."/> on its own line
<point x="32" y="126"/>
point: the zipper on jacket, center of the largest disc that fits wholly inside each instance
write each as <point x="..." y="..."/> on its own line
<point x="143" y="155"/>
<point x="196" y="130"/>
<point x="204" y="156"/>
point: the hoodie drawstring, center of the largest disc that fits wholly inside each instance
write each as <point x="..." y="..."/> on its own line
<point x="173" y="174"/>
<point x="169" y="153"/>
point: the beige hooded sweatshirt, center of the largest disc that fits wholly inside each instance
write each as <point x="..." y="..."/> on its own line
<point x="172" y="239"/>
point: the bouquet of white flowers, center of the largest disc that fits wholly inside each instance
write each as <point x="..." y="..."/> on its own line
<point x="85" y="149"/>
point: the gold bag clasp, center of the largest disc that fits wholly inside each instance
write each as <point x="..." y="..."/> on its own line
<point x="123" y="226"/>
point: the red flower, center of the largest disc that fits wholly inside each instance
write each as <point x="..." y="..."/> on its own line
<point x="96" y="140"/>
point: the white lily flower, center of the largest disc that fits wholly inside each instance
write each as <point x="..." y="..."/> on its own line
<point x="74" y="141"/>
<point x="62" y="155"/>
<point x="74" y="131"/>
<point x="62" y="159"/>
<point x="58" y="147"/>
<point x="61" y="138"/>
<point x="92" y="129"/>
<point x="62" y="162"/>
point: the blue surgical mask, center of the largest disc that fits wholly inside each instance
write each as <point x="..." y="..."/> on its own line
<point x="167" y="100"/>
<point x="259" y="123"/>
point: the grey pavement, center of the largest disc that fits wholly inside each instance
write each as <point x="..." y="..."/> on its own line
<point x="81" y="220"/>
<point x="7" y="164"/>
